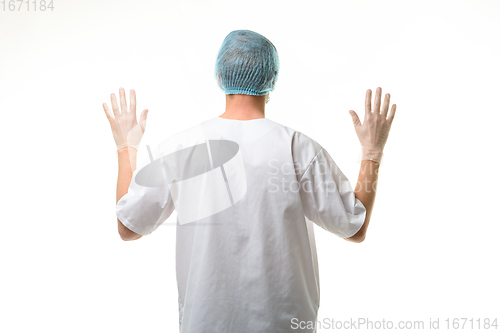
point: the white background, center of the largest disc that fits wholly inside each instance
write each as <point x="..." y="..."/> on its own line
<point x="431" y="249"/>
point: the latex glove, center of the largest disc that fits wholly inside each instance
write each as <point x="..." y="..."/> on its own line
<point x="126" y="131"/>
<point x="374" y="131"/>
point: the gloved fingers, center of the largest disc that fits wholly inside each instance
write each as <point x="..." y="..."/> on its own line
<point x="368" y="103"/>
<point x="132" y="101"/>
<point x="107" y="111"/>
<point x="114" y="105"/>
<point x="123" y="101"/>
<point x="385" y="107"/>
<point x="391" y="115"/>
<point x="376" y="107"/>
<point x="355" y="118"/>
<point x="142" y="121"/>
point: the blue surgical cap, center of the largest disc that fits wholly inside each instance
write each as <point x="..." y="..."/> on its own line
<point x="247" y="64"/>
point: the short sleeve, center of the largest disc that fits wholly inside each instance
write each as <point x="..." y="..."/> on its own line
<point x="327" y="197"/>
<point x="143" y="209"/>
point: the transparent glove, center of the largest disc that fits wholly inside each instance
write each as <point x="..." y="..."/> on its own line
<point x="374" y="131"/>
<point x="126" y="131"/>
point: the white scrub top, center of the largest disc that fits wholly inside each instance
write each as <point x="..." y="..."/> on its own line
<point x="246" y="194"/>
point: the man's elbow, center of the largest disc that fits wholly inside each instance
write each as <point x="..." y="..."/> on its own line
<point x="126" y="234"/>
<point x="359" y="237"/>
<point x="130" y="237"/>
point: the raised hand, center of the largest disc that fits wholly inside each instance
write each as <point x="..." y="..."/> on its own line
<point x="374" y="131"/>
<point x="126" y="131"/>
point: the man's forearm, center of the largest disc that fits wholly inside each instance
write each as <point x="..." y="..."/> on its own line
<point x="126" y="166"/>
<point x="365" y="191"/>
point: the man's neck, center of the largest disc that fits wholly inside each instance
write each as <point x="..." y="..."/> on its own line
<point x="242" y="115"/>
<point x="244" y="107"/>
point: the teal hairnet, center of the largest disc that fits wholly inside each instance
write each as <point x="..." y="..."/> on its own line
<point x="247" y="64"/>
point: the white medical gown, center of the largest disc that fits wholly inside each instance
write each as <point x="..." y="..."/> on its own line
<point x="245" y="250"/>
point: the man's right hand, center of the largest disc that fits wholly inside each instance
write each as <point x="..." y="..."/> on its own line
<point x="374" y="131"/>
